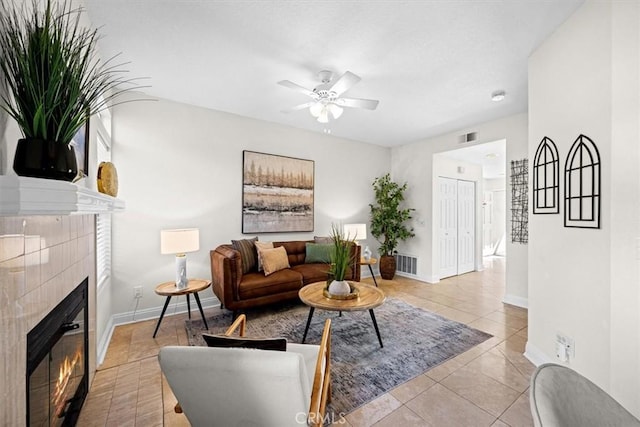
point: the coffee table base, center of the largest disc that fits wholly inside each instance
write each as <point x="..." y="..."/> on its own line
<point x="373" y="318"/>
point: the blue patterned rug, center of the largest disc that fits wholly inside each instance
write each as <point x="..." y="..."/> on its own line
<point x="415" y="341"/>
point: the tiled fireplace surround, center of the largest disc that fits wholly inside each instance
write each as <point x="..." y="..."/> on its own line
<point x="42" y="259"/>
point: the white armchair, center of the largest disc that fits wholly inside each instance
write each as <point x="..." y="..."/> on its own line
<point x="248" y="387"/>
<point x="561" y="397"/>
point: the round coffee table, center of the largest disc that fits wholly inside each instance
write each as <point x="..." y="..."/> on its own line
<point x="369" y="297"/>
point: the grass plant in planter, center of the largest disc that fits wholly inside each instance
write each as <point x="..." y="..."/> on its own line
<point x="388" y="221"/>
<point x="341" y="257"/>
<point x="55" y="81"/>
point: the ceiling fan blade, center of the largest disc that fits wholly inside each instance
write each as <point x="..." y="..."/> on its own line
<point x="369" y="104"/>
<point x="344" y="83"/>
<point x="299" y="107"/>
<point x="297" y="87"/>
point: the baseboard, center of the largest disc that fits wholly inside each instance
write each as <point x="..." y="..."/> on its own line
<point x="535" y="355"/>
<point x="515" y="300"/>
<point x="413" y="276"/>
<point x="432" y="279"/>
<point x="103" y="344"/>
<point x="148" y="313"/>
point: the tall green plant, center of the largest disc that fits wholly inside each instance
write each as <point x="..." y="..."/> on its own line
<point x="52" y="70"/>
<point x="387" y="218"/>
<point x="341" y="256"/>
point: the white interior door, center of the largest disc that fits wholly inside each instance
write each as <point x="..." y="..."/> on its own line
<point x="466" y="226"/>
<point x="448" y="227"/>
<point x="488" y="245"/>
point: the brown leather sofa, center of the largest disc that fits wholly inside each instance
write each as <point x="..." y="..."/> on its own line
<point x="238" y="291"/>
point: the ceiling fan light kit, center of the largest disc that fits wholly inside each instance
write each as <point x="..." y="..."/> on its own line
<point x="326" y="96"/>
<point x="498" y="96"/>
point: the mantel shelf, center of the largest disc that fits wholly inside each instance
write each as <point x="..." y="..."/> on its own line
<point x="34" y="196"/>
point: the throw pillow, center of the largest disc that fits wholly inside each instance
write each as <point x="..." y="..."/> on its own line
<point x="274" y="260"/>
<point x="322" y="240"/>
<point x="278" y="344"/>
<point x="248" y="253"/>
<point x="316" y="252"/>
<point x="260" y="246"/>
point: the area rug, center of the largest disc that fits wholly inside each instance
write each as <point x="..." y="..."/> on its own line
<point x="415" y="340"/>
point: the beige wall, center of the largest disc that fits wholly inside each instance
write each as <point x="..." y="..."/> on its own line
<point x="42" y="259"/>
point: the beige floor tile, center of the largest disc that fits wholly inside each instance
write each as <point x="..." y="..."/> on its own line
<point x="493" y="365"/>
<point x="519" y="414"/>
<point x="499" y="423"/>
<point x="439" y="406"/>
<point x="506" y="319"/>
<point x="412" y="388"/>
<point x="373" y="411"/>
<point x="524" y="332"/>
<point x="470" y="355"/>
<point x="494" y="328"/>
<point x="483" y="391"/>
<point x="443" y="370"/>
<point x="458" y="316"/>
<point x="402" y="416"/>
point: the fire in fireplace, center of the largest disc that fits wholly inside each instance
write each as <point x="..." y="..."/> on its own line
<point x="57" y="363"/>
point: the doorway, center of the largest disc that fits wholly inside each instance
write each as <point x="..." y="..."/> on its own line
<point x="457" y="226"/>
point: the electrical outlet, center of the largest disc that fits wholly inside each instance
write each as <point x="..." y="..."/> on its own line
<point x="137" y="292"/>
<point x="565" y="347"/>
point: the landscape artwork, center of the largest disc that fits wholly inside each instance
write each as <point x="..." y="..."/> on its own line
<point x="277" y="193"/>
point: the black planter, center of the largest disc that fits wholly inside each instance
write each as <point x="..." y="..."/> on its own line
<point x="45" y="159"/>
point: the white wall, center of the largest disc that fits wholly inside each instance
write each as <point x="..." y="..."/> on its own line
<point x="181" y="166"/>
<point x="585" y="282"/>
<point x="410" y="163"/>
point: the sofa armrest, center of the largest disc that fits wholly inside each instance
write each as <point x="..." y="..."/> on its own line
<point x="226" y="274"/>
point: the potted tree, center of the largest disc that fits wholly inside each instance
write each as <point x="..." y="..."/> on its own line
<point x="388" y="221"/>
<point x="55" y="82"/>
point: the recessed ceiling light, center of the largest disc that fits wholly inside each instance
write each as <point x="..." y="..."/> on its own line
<point x="497" y="96"/>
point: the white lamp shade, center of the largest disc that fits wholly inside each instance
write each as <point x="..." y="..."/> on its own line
<point x="336" y="111"/>
<point x="316" y="109"/>
<point x="179" y="241"/>
<point x="355" y="231"/>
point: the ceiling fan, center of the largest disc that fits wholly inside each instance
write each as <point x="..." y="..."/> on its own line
<point x="326" y="99"/>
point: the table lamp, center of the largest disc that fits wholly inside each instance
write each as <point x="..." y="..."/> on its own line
<point x="180" y="242"/>
<point x="358" y="232"/>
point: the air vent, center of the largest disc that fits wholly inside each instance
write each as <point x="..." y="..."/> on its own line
<point x="468" y="137"/>
<point x="406" y="264"/>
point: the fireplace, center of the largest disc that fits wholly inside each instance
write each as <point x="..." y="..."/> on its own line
<point x="57" y="362"/>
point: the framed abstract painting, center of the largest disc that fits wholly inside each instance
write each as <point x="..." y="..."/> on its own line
<point x="277" y="193"/>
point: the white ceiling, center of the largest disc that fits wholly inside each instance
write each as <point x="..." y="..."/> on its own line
<point x="432" y="64"/>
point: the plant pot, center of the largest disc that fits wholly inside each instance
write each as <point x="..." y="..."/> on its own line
<point x="339" y="287"/>
<point x="387" y="267"/>
<point x="45" y="159"/>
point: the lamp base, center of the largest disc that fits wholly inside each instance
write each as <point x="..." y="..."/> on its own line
<point x="181" y="271"/>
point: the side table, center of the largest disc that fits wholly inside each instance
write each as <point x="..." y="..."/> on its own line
<point x="370" y="262"/>
<point x="169" y="290"/>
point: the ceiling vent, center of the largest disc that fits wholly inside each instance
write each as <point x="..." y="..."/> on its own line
<point x="468" y="137"/>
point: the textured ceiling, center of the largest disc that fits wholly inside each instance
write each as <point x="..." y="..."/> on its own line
<point x="432" y="64"/>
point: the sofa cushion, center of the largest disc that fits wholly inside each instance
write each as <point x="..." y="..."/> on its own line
<point x="316" y="253"/>
<point x="260" y="246"/>
<point x="248" y="253"/>
<point x="312" y="272"/>
<point x="296" y="250"/>
<point x="255" y="285"/>
<point x="322" y="239"/>
<point x="274" y="260"/>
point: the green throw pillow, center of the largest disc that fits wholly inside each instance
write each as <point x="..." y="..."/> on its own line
<point x="318" y="252"/>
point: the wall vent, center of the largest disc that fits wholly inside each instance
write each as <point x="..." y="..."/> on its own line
<point x="468" y="137"/>
<point x="406" y="264"/>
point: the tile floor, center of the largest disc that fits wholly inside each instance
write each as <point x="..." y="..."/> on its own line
<point x="486" y="386"/>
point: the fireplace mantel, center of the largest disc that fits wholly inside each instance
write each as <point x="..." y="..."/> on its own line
<point x="34" y="196"/>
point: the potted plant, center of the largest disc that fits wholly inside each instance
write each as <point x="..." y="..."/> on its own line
<point x="341" y="257"/>
<point x="388" y="221"/>
<point x="54" y="82"/>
